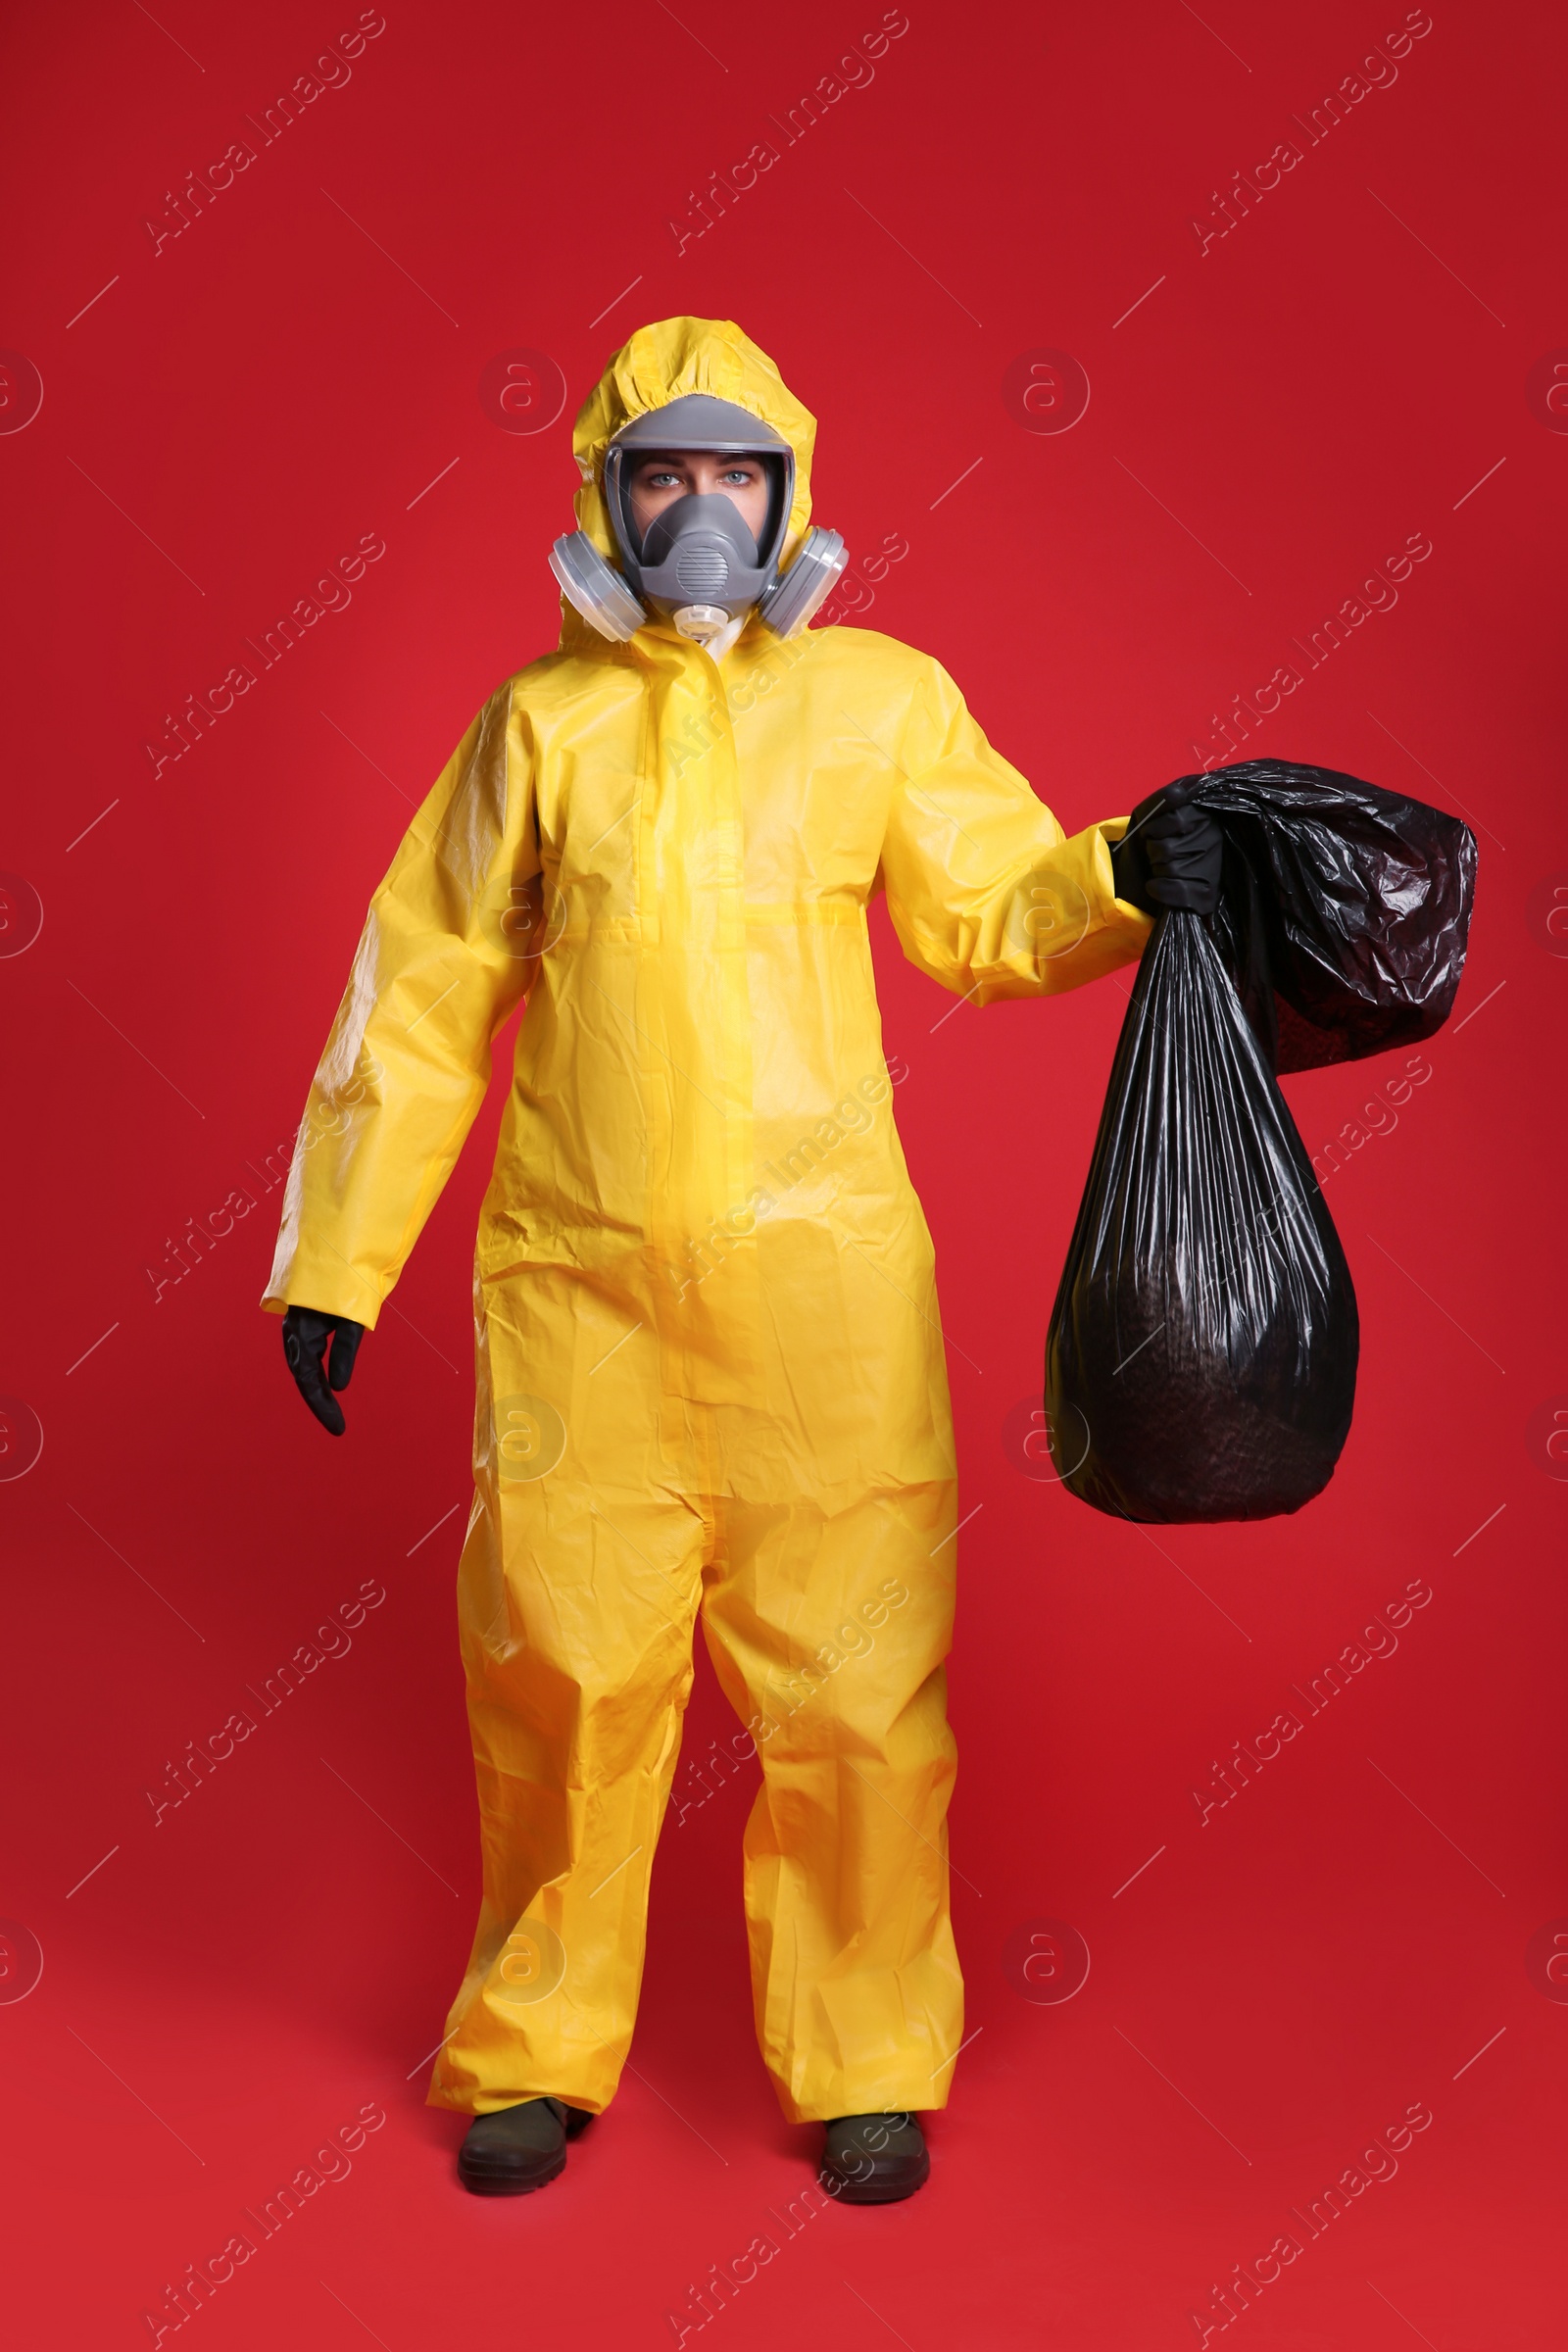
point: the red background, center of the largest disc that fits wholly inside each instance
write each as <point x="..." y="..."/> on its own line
<point x="1277" y="416"/>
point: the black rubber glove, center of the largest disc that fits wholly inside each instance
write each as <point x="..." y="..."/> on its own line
<point x="1170" y="855"/>
<point x="305" y="1335"/>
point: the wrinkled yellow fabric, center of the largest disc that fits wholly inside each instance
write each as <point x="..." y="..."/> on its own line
<point x="709" y="1368"/>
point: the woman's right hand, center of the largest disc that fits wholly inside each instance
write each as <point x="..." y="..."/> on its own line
<point x="307" y="1335"/>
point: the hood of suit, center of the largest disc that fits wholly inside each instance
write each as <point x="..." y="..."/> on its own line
<point x="660" y="364"/>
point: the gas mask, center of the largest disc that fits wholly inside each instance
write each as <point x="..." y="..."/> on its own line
<point x="698" y="562"/>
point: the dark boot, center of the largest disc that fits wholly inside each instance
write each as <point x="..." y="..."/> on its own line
<point x="873" y="2159"/>
<point x="518" y="2148"/>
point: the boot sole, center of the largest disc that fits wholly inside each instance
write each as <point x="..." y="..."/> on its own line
<point x="873" y="2191"/>
<point x="500" y="2184"/>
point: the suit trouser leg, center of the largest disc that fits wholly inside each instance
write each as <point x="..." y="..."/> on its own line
<point x="828" y="1633"/>
<point x="577" y="1612"/>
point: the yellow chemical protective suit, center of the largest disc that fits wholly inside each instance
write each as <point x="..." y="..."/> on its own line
<point x="710" y="1364"/>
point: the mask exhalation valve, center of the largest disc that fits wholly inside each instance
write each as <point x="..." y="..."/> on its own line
<point x="701" y="622"/>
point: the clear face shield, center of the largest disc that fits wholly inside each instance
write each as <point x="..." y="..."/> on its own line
<point x="698" y="561"/>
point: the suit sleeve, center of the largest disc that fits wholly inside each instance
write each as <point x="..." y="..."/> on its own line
<point x="441" y="963"/>
<point x="985" y="892"/>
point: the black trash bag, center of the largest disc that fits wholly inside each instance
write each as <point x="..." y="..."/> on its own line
<point x="1201" y="1361"/>
<point x="1345" y="909"/>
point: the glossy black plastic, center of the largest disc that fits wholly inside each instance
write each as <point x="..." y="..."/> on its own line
<point x="1201" y="1358"/>
<point x="1345" y="909"/>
